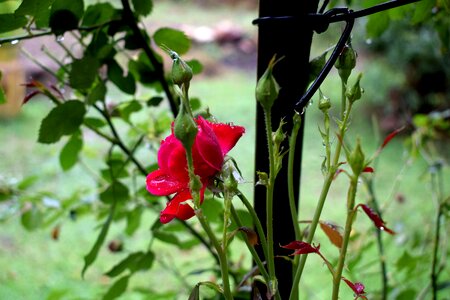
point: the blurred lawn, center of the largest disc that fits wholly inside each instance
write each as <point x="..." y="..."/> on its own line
<point x="37" y="267"/>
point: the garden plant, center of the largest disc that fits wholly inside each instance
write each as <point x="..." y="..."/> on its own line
<point x="162" y="152"/>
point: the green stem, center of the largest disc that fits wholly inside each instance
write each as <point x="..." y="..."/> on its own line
<point x="348" y="227"/>
<point x="256" y="222"/>
<point x="220" y="253"/>
<point x="250" y="247"/>
<point x="129" y="18"/>
<point x="343" y="99"/>
<point x="436" y="179"/>
<point x="292" y="201"/>
<point x="383" y="267"/>
<point x="320" y="204"/>
<point x="269" y="202"/>
<point x="205" y="225"/>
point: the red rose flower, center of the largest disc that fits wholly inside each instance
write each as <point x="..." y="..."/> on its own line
<point x="212" y="143"/>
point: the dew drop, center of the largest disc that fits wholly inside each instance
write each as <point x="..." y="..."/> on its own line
<point x="369" y="41"/>
<point x="382" y="228"/>
<point x="60" y="38"/>
<point x="14" y="42"/>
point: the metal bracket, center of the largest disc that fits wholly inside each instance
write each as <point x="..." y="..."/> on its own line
<point x="319" y="23"/>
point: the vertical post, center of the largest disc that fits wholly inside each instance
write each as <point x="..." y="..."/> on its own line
<point x="293" y="41"/>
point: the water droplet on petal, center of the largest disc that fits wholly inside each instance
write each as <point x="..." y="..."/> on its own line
<point x="60" y="38"/>
<point x="15" y="42"/>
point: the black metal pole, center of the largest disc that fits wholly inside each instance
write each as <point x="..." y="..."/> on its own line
<point x="293" y="41"/>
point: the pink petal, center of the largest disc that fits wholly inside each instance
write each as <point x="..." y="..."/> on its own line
<point x="172" y="159"/>
<point x="160" y="183"/>
<point x="227" y="135"/>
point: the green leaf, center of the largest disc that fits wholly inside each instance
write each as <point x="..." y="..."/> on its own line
<point x="10" y="22"/>
<point x="143" y="70"/>
<point x="144" y="262"/>
<point x="168" y="238"/>
<point x="98" y="14"/>
<point x="212" y="285"/>
<point x="38" y="9"/>
<point x="128" y="262"/>
<point x="195" y="103"/>
<point x="195" y="65"/>
<point x="195" y="293"/>
<point x="133" y="220"/>
<point x="2" y="92"/>
<point x="377" y="24"/>
<point x="64" y="119"/>
<point x="65" y="15"/>
<point x="117" y="191"/>
<point x="116" y="169"/>
<point x="116" y="75"/>
<point x="129" y="108"/>
<point x="69" y="153"/>
<point x="83" y="72"/>
<point x="423" y="11"/>
<point x="92" y="255"/>
<point x="94" y="122"/>
<point x="142" y="7"/>
<point x="406" y="295"/>
<point x="98" y="93"/>
<point x="155" y="101"/>
<point x="173" y="39"/>
<point x="32" y="218"/>
<point x="117" y="289"/>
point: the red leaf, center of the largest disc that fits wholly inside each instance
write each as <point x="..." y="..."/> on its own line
<point x="302" y="248"/>
<point x="29" y="96"/>
<point x="375" y="218"/>
<point x="368" y="170"/>
<point x="332" y="233"/>
<point x="357" y="287"/>
<point x="391" y="136"/>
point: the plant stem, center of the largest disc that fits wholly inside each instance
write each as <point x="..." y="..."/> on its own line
<point x="129" y="18"/>
<point x="220" y="253"/>
<point x="269" y="201"/>
<point x="383" y="267"/>
<point x="205" y="225"/>
<point x="343" y="98"/>
<point x="292" y="201"/>
<point x="436" y="180"/>
<point x="320" y="204"/>
<point x="250" y="247"/>
<point x="256" y="222"/>
<point x="348" y="227"/>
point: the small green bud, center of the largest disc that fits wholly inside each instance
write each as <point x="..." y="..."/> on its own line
<point x="279" y="136"/>
<point x="324" y="103"/>
<point x="267" y="88"/>
<point x="229" y="171"/>
<point x="355" y="92"/>
<point x="181" y="71"/>
<point x="346" y="62"/>
<point x="357" y="159"/>
<point x="185" y="128"/>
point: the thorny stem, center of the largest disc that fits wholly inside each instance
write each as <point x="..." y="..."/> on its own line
<point x="129" y="17"/>
<point x="269" y="202"/>
<point x="437" y="185"/>
<point x="250" y="247"/>
<point x="348" y="227"/>
<point x="323" y="195"/>
<point x="256" y="222"/>
<point x="292" y="201"/>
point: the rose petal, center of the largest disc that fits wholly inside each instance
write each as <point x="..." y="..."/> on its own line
<point x="161" y="184"/>
<point x="227" y="135"/>
<point x="172" y="159"/>
<point x="209" y="158"/>
<point x="177" y="208"/>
